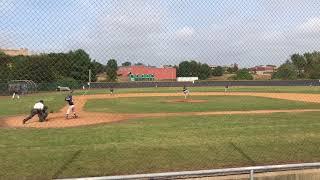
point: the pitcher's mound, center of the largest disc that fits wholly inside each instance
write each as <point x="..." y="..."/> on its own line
<point x="187" y="100"/>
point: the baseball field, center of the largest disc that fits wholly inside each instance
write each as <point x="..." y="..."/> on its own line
<point x="151" y="130"/>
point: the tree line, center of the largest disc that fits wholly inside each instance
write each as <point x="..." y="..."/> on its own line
<point x="48" y="68"/>
<point x="73" y="66"/>
<point x="204" y="71"/>
<point x="300" y="66"/>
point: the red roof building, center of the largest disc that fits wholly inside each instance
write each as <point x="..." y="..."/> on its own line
<point x="166" y="73"/>
<point x="260" y="70"/>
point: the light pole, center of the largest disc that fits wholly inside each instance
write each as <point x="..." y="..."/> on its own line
<point x="89" y="83"/>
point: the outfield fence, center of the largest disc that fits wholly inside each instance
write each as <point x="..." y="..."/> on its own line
<point x="252" y="170"/>
<point x="4" y="87"/>
<point x="204" y="84"/>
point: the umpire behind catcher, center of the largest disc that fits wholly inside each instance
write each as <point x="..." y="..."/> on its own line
<point x="40" y="109"/>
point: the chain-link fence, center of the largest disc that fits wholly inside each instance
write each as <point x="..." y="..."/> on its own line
<point x="193" y="84"/>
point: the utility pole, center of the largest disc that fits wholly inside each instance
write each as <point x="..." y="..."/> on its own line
<point x="89" y="83"/>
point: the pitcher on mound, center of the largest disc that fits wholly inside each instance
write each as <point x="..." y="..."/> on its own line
<point x="185" y="92"/>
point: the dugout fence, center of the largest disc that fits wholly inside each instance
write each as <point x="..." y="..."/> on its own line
<point x="22" y="86"/>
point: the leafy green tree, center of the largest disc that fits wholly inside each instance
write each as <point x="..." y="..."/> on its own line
<point x="193" y="69"/>
<point x="300" y="66"/>
<point x="54" y="66"/>
<point x="61" y="64"/>
<point x="243" y="74"/>
<point x="74" y="64"/>
<point x="286" y="71"/>
<point x="5" y="67"/>
<point x="111" y="69"/>
<point x="139" y="64"/>
<point x="189" y="69"/>
<point x="233" y="69"/>
<point x="80" y="65"/>
<point x="98" y="67"/>
<point x="184" y="69"/>
<point x="47" y="68"/>
<point x="127" y="63"/>
<point x="299" y="62"/>
<point x="314" y="72"/>
<point x="218" y="71"/>
<point x="34" y="68"/>
<point x="204" y="71"/>
<point x="312" y="66"/>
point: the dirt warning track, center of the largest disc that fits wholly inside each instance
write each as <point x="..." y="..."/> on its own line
<point x="56" y="120"/>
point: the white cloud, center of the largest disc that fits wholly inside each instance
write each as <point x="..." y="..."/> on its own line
<point x="140" y="31"/>
<point x="167" y="32"/>
<point x="185" y="32"/>
<point x="128" y="32"/>
<point x="312" y="25"/>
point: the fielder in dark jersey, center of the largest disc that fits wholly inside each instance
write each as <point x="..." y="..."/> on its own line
<point x="71" y="108"/>
<point x="16" y="92"/>
<point x="111" y="91"/>
<point x="185" y="92"/>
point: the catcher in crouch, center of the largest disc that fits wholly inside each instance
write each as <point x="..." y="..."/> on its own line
<point x="71" y="108"/>
<point x="38" y="109"/>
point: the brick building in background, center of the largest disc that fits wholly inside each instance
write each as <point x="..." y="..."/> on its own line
<point x="165" y="73"/>
<point x="15" y="52"/>
<point x="263" y="70"/>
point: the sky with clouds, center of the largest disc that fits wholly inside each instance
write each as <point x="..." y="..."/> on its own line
<point x="247" y="32"/>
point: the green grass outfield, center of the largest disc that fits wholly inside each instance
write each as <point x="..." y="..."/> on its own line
<point x="160" y="144"/>
<point x="213" y="103"/>
<point x="274" y="89"/>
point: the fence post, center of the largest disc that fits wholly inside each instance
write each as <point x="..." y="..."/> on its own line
<point x="251" y="174"/>
<point x="89" y="83"/>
